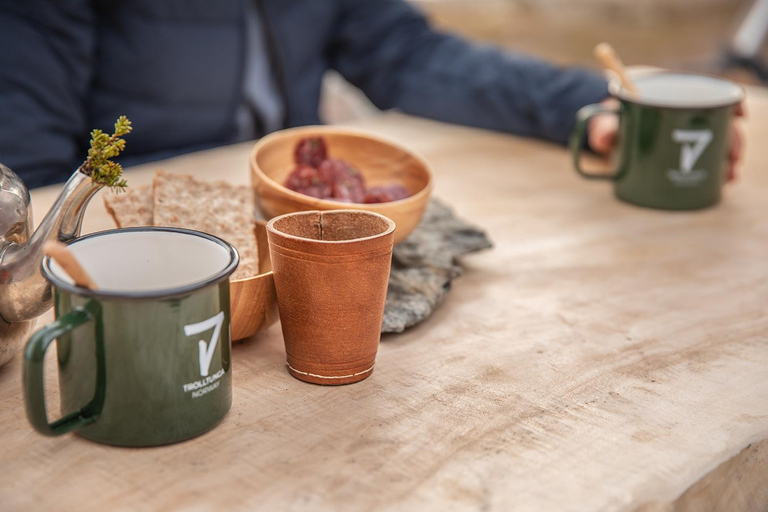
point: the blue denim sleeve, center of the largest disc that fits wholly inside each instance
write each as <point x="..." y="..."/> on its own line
<point x="387" y="49"/>
<point x="45" y="63"/>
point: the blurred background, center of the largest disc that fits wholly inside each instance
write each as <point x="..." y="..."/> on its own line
<point x="722" y="37"/>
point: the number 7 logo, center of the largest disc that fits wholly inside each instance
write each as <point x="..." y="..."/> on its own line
<point x="206" y="353"/>
<point x="694" y="143"/>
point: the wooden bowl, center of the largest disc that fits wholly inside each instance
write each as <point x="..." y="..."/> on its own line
<point x="381" y="162"/>
<point x="253" y="301"/>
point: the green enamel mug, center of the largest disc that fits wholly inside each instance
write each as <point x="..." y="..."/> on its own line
<point x="143" y="359"/>
<point x="674" y="138"/>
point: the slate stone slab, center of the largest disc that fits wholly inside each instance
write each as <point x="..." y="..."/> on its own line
<point x="424" y="265"/>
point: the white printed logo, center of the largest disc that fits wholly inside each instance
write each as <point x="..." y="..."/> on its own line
<point x="694" y="142"/>
<point x="206" y="352"/>
<point x="205" y="355"/>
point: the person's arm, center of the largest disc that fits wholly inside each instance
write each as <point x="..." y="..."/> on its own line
<point x="45" y="62"/>
<point x="386" y="48"/>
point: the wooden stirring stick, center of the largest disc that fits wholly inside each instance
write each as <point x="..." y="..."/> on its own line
<point x="64" y="257"/>
<point x="610" y="60"/>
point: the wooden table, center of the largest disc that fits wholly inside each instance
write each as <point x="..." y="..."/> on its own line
<point x="601" y="357"/>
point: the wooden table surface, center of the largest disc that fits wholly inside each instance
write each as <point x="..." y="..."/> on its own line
<point x="600" y="357"/>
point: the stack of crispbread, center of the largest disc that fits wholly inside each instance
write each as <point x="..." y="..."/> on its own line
<point x="131" y="208"/>
<point x="177" y="200"/>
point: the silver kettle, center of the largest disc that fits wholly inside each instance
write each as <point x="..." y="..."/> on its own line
<point x="24" y="292"/>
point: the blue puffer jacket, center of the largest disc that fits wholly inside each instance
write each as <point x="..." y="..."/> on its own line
<point x="175" y="68"/>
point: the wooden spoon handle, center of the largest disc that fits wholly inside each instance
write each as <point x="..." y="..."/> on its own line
<point x="610" y="60"/>
<point x="64" y="257"/>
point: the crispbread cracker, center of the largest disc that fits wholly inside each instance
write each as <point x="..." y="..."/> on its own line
<point x="131" y="208"/>
<point x="218" y="208"/>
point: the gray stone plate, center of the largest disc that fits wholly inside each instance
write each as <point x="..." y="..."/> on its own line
<point x="424" y="265"/>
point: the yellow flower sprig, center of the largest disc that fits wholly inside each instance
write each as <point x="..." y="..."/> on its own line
<point x="104" y="147"/>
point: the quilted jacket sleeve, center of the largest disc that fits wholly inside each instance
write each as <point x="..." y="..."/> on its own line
<point x="387" y="49"/>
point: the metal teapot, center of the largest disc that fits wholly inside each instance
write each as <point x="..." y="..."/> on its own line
<point x="24" y="293"/>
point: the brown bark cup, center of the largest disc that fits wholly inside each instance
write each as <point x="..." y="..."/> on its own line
<point x="331" y="272"/>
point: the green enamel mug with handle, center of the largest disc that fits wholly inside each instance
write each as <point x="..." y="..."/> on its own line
<point x="674" y="138"/>
<point x="144" y="359"/>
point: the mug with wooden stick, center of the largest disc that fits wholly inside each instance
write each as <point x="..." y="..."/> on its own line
<point x="674" y="135"/>
<point x="144" y="357"/>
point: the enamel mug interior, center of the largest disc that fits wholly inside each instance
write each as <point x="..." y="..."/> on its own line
<point x="148" y="262"/>
<point x="680" y="90"/>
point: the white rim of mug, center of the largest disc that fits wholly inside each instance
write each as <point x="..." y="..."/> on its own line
<point x="617" y="91"/>
<point x="221" y="275"/>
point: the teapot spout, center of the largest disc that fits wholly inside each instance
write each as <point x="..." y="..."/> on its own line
<point x="24" y="292"/>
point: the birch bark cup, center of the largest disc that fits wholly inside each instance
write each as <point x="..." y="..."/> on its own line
<point x="331" y="273"/>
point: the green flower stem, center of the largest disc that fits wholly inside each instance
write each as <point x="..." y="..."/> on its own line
<point x="104" y="147"/>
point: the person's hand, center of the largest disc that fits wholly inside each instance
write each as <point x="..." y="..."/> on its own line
<point x="737" y="144"/>
<point x="604" y="131"/>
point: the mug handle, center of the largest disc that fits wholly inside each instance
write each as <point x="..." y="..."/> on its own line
<point x="582" y="118"/>
<point x="34" y="389"/>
